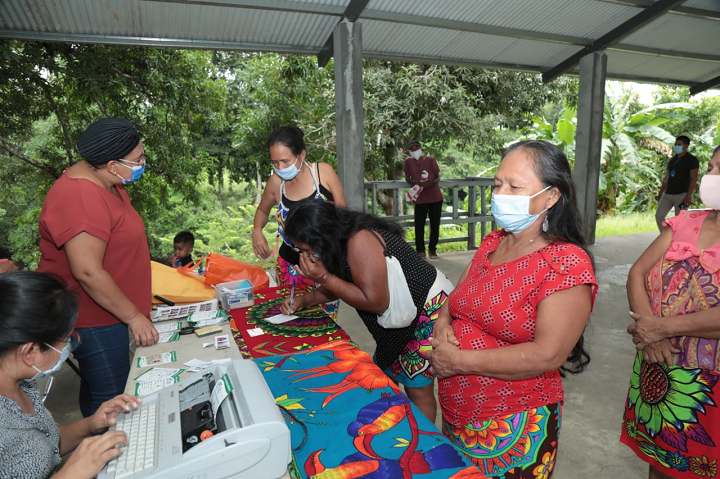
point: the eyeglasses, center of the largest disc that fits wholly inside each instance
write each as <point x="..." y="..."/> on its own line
<point x="139" y="162"/>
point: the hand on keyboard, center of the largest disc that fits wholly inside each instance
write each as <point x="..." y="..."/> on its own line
<point x="106" y="414"/>
<point x="92" y="454"/>
<point x="139" y="452"/>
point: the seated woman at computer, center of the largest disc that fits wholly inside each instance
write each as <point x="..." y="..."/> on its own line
<point x="344" y="251"/>
<point x="37" y="316"/>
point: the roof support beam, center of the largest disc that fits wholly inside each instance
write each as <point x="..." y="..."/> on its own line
<point x="273" y="5"/>
<point x="613" y="36"/>
<point x="705" y="86"/>
<point x="472" y="27"/>
<point x="588" y="138"/>
<point x="680" y="10"/>
<point x="351" y="14"/>
<point x="349" y="113"/>
<point x="483" y="29"/>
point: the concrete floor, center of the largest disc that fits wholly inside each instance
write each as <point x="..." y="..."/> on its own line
<point x="589" y="446"/>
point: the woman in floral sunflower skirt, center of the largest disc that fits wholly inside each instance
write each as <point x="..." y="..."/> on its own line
<point x="515" y="321"/>
<point x="295" y="179"/>
<point x="671" y="418"/>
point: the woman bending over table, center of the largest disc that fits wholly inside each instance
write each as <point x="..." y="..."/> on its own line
<point x="294" y="180"/>
<point x="344" y="252"/>
<point x="671" y="418"/>
<point x="37" y="316"/>
<point x="515" y="321"/>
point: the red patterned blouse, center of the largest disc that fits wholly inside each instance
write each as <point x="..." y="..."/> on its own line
<point x="496" y="306"/>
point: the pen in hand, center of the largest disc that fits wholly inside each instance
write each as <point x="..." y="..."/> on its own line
<point x="292" y="295"/>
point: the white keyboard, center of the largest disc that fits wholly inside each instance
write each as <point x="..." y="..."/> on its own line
<point x="139" y="454"/>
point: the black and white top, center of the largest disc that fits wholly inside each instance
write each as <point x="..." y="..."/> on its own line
<point x="420" y="276"/>
<point x="29" y="444"/>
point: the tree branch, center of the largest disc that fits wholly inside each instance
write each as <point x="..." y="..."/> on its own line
<point x="139" y="83"/>
<point x="33" y="76"/>
<point x="13" y="151"/>
<point x="101" y="107"/>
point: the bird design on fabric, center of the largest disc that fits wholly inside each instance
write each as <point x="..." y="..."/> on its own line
<point x="374" y="419"/>
<point x="359" y="370"/>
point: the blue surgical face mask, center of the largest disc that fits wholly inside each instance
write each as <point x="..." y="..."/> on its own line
<point x="63" y="356"/>
<point x="137" y="172"/>
<point x="512" y="212"/>
<point x="290" y="172"/>
<point x="677" y="149"/>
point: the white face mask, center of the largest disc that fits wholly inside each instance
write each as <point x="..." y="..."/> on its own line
<point x="416" y="154"/>
<point x="48" y="372"/>
<point x="710" y="191"/>
<point x="290" y="172"/>
<point x="512" y="212"/>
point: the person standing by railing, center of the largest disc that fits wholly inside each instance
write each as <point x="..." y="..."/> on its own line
<point x="423" y="170"/>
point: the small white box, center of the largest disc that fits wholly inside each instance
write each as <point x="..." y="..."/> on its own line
<point x="235" y="294"/>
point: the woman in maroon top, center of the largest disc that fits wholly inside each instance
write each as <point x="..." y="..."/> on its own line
<point x="515" y="321"/>
<point x="92" y="237"/>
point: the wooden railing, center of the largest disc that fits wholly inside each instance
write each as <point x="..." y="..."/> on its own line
<point x="477" y="212"/>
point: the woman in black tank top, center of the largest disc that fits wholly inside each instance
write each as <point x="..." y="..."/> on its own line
<point x="293" y="180"/>
<point x="344" y="252"/>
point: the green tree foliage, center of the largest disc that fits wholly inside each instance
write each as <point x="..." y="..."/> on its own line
<point x="702" y="123"/>
<point x="635" y="145"/>
<point x="52" y="91"/>
<point x="441" y="105"/>
<point x="637" y="141"/>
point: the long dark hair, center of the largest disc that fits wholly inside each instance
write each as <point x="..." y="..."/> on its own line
<point x="34" y="307"/>
<point x="290" y="136"/>
<point x="326" y="228"/>
<point x="564" y="221"/>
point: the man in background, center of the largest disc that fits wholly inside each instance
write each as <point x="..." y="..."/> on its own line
<point x="679" y="183"/>
<point x="423" y="170"/>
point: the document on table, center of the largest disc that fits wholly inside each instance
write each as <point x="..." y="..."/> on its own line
<point x="280" y="318"/>
<point x="175" y="312"/>
<point x="167" y="337"/>
<point x="167" y="327"/>
<point x="155" y="359"/>
<point x="143" y="389"/>
<point x="196" y="365"/>
<point x="255" y="332"/>
<point x="155" y="379"/>
<point x="157" y="374"/>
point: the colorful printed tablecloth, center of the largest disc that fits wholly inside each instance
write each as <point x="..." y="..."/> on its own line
<point x="313" y="328"/>
<point x="357" y="422"/>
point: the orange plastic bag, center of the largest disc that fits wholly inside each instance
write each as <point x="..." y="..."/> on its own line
<point x="221" y="269"/>
<point x="180" y="289"/>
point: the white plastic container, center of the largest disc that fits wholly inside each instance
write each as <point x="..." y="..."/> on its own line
<point x="235" y="294"/>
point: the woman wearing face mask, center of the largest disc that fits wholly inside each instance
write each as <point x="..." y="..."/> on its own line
<point x="37" y="314"/>
<point x="671" y="418"/>
<point x="294" y="180"/>
<point x="514" y="324"/>
<point x="92" y="237"/>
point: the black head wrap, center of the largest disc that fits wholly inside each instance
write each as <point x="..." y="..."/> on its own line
<point x="106" y="140"/>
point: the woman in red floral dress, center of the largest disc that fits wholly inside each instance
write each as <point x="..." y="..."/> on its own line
<point x="515" y="321"/>
<point x="671" y="418"/>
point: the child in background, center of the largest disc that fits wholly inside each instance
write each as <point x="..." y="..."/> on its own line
<point x="183" y="243"/>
